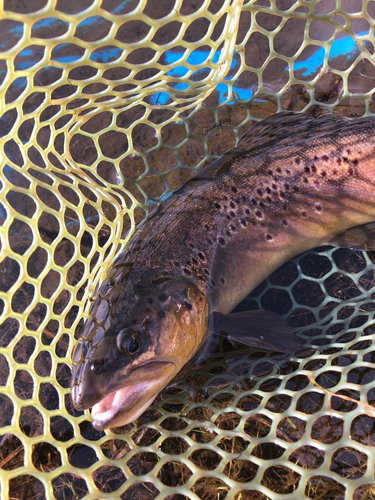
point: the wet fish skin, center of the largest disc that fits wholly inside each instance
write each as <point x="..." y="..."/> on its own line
<point x="294" y="187"/>
<point x="148" y="304"/>
<point x="292" y="183"/>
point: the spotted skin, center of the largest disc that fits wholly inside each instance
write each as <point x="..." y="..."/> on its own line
<point x="292" y="183"/>
<point x="282" y="199"/>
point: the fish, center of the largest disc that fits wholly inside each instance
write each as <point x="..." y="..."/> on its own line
<point x="293" y="182"/>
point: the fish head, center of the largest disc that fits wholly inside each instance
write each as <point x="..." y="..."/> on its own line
<point x="141" y="333"/>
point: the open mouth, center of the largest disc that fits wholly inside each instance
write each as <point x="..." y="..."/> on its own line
<point x="118" y="407"/>
<point x="126" y="404"/>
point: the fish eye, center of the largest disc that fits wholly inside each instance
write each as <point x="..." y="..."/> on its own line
<point x="133" y="346"/>
<point x="127" y="343"/>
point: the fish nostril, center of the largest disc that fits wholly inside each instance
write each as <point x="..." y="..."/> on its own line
<point x="97" y="366"/>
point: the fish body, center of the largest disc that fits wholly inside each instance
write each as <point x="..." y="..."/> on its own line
<point x="292" y="183"/>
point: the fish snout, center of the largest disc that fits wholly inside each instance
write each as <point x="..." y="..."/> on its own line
<point x="85" y="395"/>
<point x="86" y="389"/>
<point x="77" y="400"/>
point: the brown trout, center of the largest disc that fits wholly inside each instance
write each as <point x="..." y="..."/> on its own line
<point x="292" y="183"/>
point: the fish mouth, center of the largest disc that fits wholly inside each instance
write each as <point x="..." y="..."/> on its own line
<point x="124" y="405"/>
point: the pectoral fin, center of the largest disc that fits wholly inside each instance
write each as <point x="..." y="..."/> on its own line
<point x="260" y="329"/>
<point x="358" y="238"/>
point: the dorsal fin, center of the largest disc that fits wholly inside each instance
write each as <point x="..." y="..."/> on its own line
<point x="283" y="128"/>
<point x="271" y="129"/>
<point x="265" y="133"/>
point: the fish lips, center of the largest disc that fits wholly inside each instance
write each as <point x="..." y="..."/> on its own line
<point x="124" y="405"/>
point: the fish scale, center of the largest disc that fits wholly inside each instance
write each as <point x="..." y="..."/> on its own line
<point x="293" y="182"/>
<point x="206" y="214"/>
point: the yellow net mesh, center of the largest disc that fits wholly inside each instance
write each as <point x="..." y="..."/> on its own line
<point x="106" y="106"/>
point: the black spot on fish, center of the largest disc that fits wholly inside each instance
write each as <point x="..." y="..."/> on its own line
<point x="194" y="260"/>
<point x="274" y="186"/>
<point x="221" y="241"/>
<point x="285" y="223"/>
<point x="323" y="173"/>
<point x="355" y="162"/>
<point x="161" y="314"/>
<point x="232" y="205"/>
<point x="278" y="170"/>
<point x="177" y="264"/>
<point x="186" y="271"/>
<point x="298" y="161"/>
<point x="188" y="306"/>
<point x="233" y="228"/>
<point x="247" y="211"/>
<point x="232" y="214"/>
<point x="201" y="256"/>
<point x="254" y="201"/>
<point x="217" y="205"/>
<point x="260" y="192"/>
<point x="315" y="158"/>
<point x="345" y="159"/>
<point x="338" y="161"/>
<point x="258" y="214"/>
<point x="304" y="214"/>
<point x="268" y="199"/>
<point x="348" y="151"/>
<point x="288" y="172"/>
<point x="225" y="198"/>
<point x="313" y="168"/>
<point x="222" y="280"/>
<point x="269" y="237"/>
<point x="243" y="222"/>
<point x="234" y="189"/>
<point x="228" y="233"/>
<point x="325" y="158"/>
<point x="268" y="190"/>
<point x="261" y="205"/>
<point x="307" y="170"/>
<point x="244" y="198"/>
<point x="318" y="208"/>
<point x="270" y="172"/>
<point x="286" y="186"/>
<point x="163" y="297"/>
